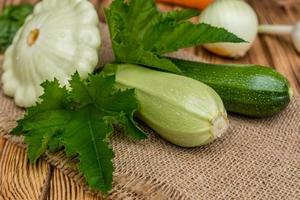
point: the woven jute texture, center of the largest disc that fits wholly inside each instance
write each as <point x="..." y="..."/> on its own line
<point x="256" y="159"/>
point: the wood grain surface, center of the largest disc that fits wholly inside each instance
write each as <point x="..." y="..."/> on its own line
<point x="20" y="180"/>
<point x="62" y="188"/>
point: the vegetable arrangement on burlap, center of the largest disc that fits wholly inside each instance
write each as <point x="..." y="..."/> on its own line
<point x="49" y="69"/>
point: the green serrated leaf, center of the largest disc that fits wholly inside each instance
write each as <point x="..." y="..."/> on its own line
<point x="18" y="130"/>
<point x="127" y="32"/>
<point x="55" y="143"/>
<point x="131" y="127"/>
<point x="87" y="134"/>
<point x="79" y="92"/>
<point x="179" y="15"/>
<point x="38" y="143"/>
<point x="141" y="34"/>
<point x="170" y="37"/>
<point x="83" y="130"/>
<point x="54" y="99"/>
<point x="139" y="56"/>
<point x="100" y="87"/>
<point x="11" y="19"/>
<point x="40" y="129"/>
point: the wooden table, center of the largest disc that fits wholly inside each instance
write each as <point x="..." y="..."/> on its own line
<point x="21" y="180"/>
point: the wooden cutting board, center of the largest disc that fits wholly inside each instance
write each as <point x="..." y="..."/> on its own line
<point x="20" y="180"/>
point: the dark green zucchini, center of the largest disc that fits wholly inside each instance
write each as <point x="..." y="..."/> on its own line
<point x="249" y="90"/>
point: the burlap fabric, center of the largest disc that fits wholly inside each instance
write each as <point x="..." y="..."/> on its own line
<point x="256" y="159"/>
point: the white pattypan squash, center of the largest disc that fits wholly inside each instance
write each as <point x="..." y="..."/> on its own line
<point x="58" y="39"/>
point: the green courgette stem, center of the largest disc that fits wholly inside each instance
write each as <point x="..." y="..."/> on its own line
<point x="219" y="125"/>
